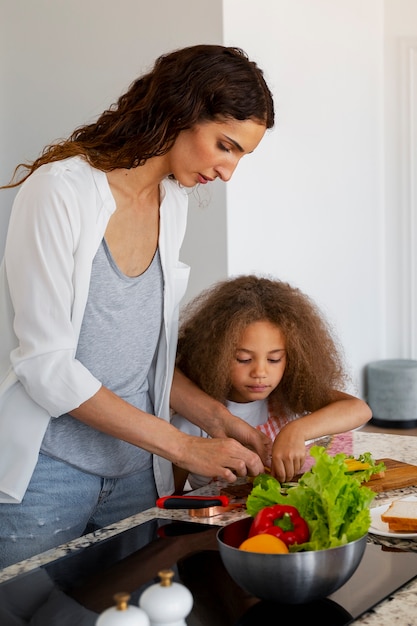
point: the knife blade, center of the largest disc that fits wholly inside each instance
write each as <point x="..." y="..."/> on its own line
<point x="212" y="511"/>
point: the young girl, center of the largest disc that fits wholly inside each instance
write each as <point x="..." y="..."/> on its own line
<point x="263" y="348"/>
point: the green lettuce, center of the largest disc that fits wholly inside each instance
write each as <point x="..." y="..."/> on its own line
<point x="333" y="503"/>
<point x="366" y="474"/>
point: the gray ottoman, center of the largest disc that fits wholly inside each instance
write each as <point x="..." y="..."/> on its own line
<point x="392" y="393"/>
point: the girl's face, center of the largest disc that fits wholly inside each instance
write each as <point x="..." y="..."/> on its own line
<point x="212" y="150"/>
<point x="259" y="362"/>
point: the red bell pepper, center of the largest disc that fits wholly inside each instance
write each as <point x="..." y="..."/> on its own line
<point x="282" y="521"/>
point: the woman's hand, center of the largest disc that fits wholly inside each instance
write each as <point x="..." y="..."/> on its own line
<point x="219" y="457"/>
<point x="214" y="418"/>
<point x="231" y="426"/>
<point x="223" y="457"/>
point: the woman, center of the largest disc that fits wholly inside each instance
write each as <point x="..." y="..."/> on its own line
<point x="90" y="288"/>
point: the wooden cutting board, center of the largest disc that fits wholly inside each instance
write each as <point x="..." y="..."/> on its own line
<point x="397" y="475"/>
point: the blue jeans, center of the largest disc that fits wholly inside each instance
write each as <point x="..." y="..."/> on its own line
<point x="63" y="503"/>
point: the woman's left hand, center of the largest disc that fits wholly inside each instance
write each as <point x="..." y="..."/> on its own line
<point x="247" y="435"/>
<point x="214" y="418"/>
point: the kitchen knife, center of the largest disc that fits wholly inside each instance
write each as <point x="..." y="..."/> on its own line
<point x="191" y="502"/>
<point x="200" y="506"/>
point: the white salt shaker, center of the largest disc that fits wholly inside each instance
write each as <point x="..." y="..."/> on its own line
<point x="167" y="603"/>
<point x="123" y="614"/>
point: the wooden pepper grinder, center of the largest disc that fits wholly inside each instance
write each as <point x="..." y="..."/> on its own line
<point x="123" y="614"/>
<point x="167" y="603"/>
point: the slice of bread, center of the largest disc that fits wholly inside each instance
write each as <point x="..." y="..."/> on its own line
<point x="401" y="516"/>
<point x="402" y="527"/>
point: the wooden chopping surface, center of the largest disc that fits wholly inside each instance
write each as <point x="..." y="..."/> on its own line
<point x="397" y="475"/>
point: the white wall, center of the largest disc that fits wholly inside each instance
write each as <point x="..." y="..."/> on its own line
<point x="316" y="204"/>
<point x="400" y="154"/>
<point x="62" y="62"/>
<point x="314" y="217"/>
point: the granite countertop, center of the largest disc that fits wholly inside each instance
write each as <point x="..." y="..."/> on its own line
<point x="397" y="609"/>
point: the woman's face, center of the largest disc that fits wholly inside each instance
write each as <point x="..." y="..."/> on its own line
<point x="259" y="362"/>
<point x="212" y="150"/>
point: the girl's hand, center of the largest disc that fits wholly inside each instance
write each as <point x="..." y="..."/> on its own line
<point x="288" y="453"/>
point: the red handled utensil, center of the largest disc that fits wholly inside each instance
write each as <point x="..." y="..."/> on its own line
<point x="199" y="506"/>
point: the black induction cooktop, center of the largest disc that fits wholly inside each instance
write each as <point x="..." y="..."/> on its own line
<point x="74" y="590"/>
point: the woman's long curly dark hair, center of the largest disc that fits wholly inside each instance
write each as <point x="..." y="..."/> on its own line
<point x="212" y="324"/>
<point x="191" y="85"/>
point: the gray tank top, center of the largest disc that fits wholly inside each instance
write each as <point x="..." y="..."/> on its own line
<point x="117" y="343"/>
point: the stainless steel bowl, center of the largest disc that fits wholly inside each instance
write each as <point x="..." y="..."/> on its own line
<point x="294" y="578"/>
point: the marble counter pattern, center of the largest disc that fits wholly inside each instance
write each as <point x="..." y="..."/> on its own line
<point x="397" y="609"/>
